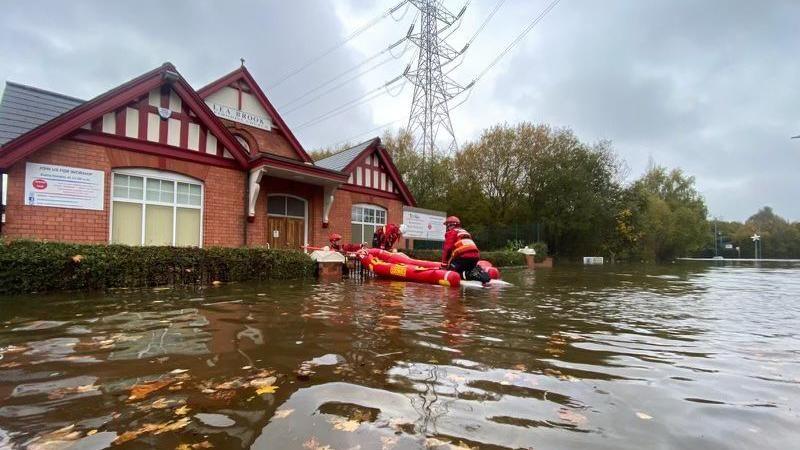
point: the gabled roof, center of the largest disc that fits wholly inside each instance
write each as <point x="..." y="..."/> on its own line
<point x="340" y="160"/>
<point x="242" y="74"/>
<point x="346" y="160"/>
<point x="67" y="122"/>
<point x="24" y="108"/>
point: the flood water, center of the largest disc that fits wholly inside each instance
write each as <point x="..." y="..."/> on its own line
<point x="690" y="355"/>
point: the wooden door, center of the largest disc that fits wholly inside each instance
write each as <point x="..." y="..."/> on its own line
<point x="295" y="233"/>
<point x="276" y="229"/>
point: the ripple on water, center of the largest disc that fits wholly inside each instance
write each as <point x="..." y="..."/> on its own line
<point x="574" y="357"/>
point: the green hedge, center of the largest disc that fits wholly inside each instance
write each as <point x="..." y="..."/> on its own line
<point x="501" y="258"/>
<point x="27" y="266"/>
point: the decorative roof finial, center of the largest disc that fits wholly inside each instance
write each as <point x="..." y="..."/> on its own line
<point x="242" y="60"/>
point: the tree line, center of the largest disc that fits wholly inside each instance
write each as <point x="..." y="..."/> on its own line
<point x="525" y="183"/>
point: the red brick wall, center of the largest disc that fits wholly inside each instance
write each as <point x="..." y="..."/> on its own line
<point x="224" y="209"/>
<point x="224" y="220"/>
<point x="265" y="141"/>
<point x="339" y="216"/>
<point x="57" y="224"/>
<point x="257" y="230"/>
<point x="340" y="213"/>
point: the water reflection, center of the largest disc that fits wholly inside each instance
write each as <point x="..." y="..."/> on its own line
<point x="608" y="357"/>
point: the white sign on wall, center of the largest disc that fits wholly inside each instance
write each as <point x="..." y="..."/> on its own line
<point x="63" y="187"/>
<point x="423" y="225"/>
<point x="237" y="115"/>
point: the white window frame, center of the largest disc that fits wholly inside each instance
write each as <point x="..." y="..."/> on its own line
<point x="305" y="213"/>
<point x="362" y="223"/>
<point x="146" y="174"/>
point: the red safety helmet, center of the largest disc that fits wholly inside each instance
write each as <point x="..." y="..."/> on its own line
<point x="335" y="237"/>
<point x="452" y="220"/>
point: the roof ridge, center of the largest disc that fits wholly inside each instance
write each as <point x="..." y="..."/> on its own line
<point x="44" y="91"/>
<point x="348" y="148"/>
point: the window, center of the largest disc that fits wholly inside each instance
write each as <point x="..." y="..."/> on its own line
<point x="280" y="205"/>
<point x="156" y="208"/>
<point x="365" y="219"/>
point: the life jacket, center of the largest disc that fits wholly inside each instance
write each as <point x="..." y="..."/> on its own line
<point x="464" y="244"/>
<point x="385" y="236"/>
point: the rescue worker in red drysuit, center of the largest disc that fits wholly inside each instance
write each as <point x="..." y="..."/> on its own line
<point x="336" y="246"/>
<point x="386" y="236"/>
<point x="460" y="254"/>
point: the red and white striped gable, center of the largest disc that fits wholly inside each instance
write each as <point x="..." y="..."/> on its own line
<point x="372" y="173"/>
<point x="161" y="117"/>
<point x="156" y="112"/>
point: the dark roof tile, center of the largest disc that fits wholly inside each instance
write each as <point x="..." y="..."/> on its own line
<point x="24" y="108"/>
<point x="338" y="161"/>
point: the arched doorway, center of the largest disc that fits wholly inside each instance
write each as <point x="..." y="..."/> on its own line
<point x="287" y="221"/>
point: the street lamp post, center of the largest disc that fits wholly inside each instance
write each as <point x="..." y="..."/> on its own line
<point x="756" y="241"/>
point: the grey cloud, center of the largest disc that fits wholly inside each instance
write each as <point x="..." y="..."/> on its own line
<point x="711" y="86"/>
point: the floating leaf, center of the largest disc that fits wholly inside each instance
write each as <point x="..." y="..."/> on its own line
<point x="266" y="390"/>
<point x="55" y="440"/>
<point x="313" y="444"/>
<point x="643" y="416"/>
<point x="261" y="382"/>
<point x="141" y="391"/>
<point x="388" y="442"/>
<point x="282" y="413"/>
<point x="342" y="424"/>
<point x="152" y="428"/>
<point x="162" y="403"/>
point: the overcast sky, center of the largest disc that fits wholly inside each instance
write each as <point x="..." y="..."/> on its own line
<point x="708" y="86"/>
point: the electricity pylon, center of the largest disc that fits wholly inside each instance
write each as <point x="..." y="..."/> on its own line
<point x="433" y="89"/>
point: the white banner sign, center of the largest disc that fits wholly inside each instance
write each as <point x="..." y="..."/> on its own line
<point x="63" y="187"/>
<point x="237" y="115"/>
<point x="423" y="226"/>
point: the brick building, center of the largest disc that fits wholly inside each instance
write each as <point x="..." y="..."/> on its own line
<point x="156" y="162"/>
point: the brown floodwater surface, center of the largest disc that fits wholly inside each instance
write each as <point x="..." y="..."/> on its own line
<point x="680" y="356"/>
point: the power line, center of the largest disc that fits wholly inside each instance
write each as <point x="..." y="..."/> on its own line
<point x="485" y="22"/>
<point x="336" y="46"/>
<point x="516" y="40"/>
<point x="371" y="130"/>
<point x="343" y="83"/>
<point x="362" y="63"/>
<point x="369" y="95"/>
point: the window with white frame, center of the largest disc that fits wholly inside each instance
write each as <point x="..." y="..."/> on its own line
<point x="364" y="220"/>
<point x="150" y="207"/>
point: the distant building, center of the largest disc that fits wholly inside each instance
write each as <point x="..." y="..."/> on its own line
<point x="155" y="162"/>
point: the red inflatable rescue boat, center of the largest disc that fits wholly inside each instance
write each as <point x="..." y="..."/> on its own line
<point x="402" y="267"/>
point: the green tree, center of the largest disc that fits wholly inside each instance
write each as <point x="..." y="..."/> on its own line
<point x="428" y="178"/>
<point x="672" y="215"/>
<point x="573" y="189"/>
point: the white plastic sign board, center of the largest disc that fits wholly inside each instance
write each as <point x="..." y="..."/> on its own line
<point x="63" y="187"/>
<point x="423" y="226"/>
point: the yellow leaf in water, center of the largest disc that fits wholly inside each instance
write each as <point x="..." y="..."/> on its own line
<point x="183" y="410"/>
<point x="266" y="390"/>
<point x="643" y="416"/>
<point x="141" y="391"/>
<point x="344" y="424"/>
<point x="282" y="413"/>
